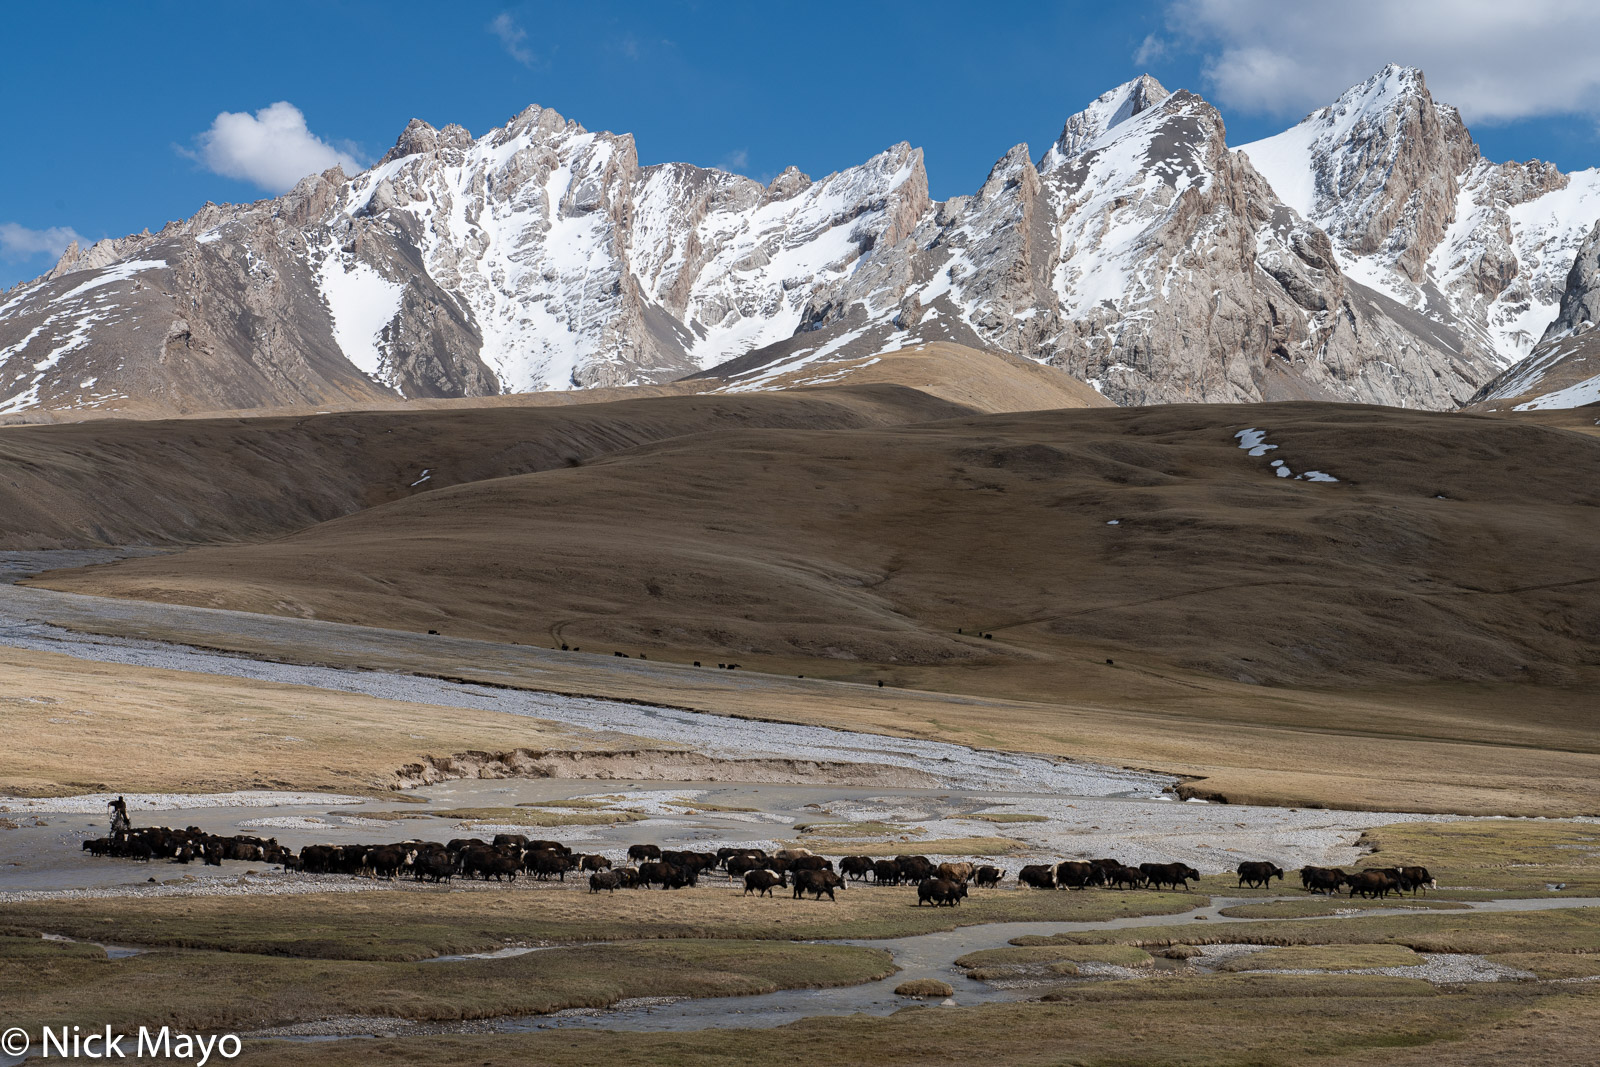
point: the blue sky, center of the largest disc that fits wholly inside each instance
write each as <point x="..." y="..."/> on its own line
<point x="107" y="105"/>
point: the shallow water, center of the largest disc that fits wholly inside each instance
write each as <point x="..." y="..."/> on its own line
<point x="922" y="956"/>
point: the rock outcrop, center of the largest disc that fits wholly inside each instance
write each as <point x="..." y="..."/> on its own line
<point x="1563" y="371"/>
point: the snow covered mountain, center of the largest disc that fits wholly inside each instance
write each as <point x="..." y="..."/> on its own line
<point x="1147" y="259"/>
<point x="1416" y="213"/>
<point x="1367" y="254"/>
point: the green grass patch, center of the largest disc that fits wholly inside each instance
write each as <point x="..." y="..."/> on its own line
<point x="1483" y="933"/>
<point x="1313" y="907"/>
<point x="1006" y="817"/>
<point x="1247" y="987"/>
<point x="383" y="816"/>
<point x="1013" y="955"/>
<point x="988" y="965"/>
<point x="42" y="950"/>
<point x="1265" y="1021"/>
<point x="411" y="925"/>
<point x="1552" y="965"/>
<point x="1508" y="856"/>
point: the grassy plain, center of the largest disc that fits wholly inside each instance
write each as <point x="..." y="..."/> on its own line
<point x="1264" y="1021"/>
<point x="413" y="925"/>
<point x="76" y="727"/>
<point x="231" y="990"/>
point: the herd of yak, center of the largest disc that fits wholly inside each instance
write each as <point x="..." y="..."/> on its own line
<point x="508" y="855"/>
<point x="1372" y="882"/>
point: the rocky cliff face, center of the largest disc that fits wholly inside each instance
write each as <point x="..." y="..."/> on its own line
<point x="1563" y="370"/>
<point x="1580" y="300"/>
<point x="1478" y="249"/>
<point x="1378" y="170"/>
<point x="1368" y="254"/>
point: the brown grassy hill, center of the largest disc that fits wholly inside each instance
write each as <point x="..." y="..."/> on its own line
<point x="1451" y="548"/>
<point x="228" y="479"/>
<point x="984" y="380"/>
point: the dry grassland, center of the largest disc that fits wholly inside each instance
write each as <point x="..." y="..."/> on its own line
<point x="74" y="727"/>
<point x="1418" y="636"/>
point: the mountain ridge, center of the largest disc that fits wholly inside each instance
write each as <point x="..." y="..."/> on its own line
<point x="1367" y="254"/>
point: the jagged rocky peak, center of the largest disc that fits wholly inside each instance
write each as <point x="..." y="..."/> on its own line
<point x="790" y="183"/>
<point x="1108" y="110"/>
<point x="1011" y="170"/>
<point x="1418" y="216"/>
<point x="417" y="138"/>
<point x="1180" y="140"/>
<point x="534" y="116"/>
<point x="1378" y="169"/>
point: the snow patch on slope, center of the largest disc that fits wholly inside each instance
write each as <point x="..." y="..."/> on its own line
<point x="1573" y="396"/>
<point x="1126" y="197"/>
<point x="116" y="273"/>
<point x="1254" y="441"/>
<point x="361" y="303"/>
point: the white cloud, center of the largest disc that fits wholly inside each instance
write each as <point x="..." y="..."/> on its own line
<point x="1152" y="49"/>
<point x="272" y="148"/>
<point x="736" y="160"/>
<point x="511" y="37"/>
<point x="19" y="242"/>
<point x="1494" y="60"/>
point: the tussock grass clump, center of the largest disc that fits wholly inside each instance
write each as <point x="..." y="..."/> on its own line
<point x="1121" y="955"/>
<point x="924" y="987"/>
<point x="1314" y="907"/>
